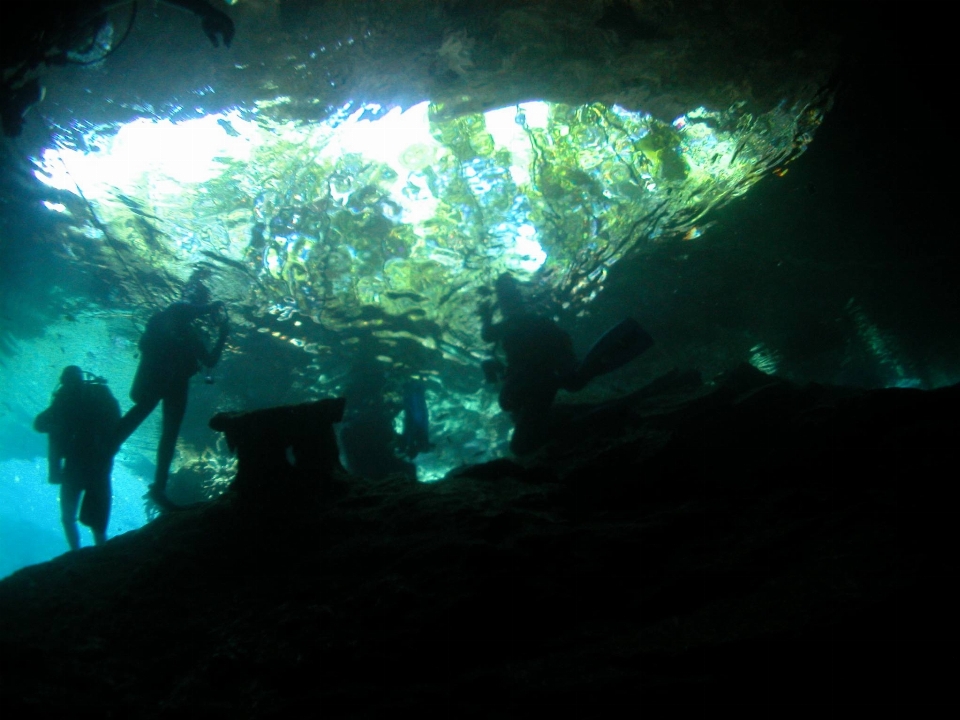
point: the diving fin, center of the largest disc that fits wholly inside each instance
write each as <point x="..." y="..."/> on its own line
<point x="618" y="346"/>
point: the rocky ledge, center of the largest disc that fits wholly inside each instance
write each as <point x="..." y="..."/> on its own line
<point x="746" y="542"/>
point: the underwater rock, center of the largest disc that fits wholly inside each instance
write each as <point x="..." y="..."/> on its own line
<point x="745" y="539"/>
<point x="283" y="449"/>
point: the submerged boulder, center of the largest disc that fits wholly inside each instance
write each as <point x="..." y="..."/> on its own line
<point x="283" y="450"/>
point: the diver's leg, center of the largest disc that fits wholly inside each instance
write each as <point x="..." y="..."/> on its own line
<point x="174" y="408"/>
<point x="95" y="509"/>
<point x="527" y="396"/>
<point x="69" y="500"/>
<point x="531" y="429"/>
<point x="135" y="415"/>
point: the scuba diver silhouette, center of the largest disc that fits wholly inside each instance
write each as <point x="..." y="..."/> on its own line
<point x="81" y="423"/>
<point x="540" y="361"/>
<point x="172" y="350"/>
<point x="78" y="32"/>
<point x="367" y="435"/>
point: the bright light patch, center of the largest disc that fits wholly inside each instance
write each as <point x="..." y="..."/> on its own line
<point x="507" y="132"/>
<point x="534" y="188"/>
<point x="399" y="139"/>
<point x="393" y="139"/>
<point x="56" y="207"/>
<point x="536" y="114"/>
<point x="161" y="155"/>
<point x="527" y="254"/>
<point x="156" y="159"/>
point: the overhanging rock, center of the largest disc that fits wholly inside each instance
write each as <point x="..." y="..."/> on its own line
<point x="306" y="58"/>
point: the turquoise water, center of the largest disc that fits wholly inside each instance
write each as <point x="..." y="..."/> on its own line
<point x="30" y="530"/>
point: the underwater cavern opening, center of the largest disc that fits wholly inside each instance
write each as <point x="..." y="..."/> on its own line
<point x="352" y="196"/>
<point x="349" y="200"/>
<point x="374" y="231"/>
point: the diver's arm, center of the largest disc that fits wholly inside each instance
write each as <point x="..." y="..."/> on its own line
<point x="46" y="422"/>
<point x="221" y="342"/>
<point x="209" y="359"/>
<point x="54" y="461"/>
<point x="216" y="24"/>
<point x="43" y="423"/>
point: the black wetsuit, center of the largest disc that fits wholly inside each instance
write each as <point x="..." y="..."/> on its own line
<point x="81" y="422"/>
<point x="367" y="436"/>
<point x="171" y="352"/>
<point x="539" y="361"/>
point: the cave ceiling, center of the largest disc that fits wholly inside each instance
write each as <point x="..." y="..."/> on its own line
<point x="664" y="57"/>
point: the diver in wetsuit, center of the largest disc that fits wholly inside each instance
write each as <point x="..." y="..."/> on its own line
<point x="539" y="362"/>
<point x="367" y="436"/>
<point x="60" y="32"/>
<point x="172" y="350"/>
<point x="81" y="423"/>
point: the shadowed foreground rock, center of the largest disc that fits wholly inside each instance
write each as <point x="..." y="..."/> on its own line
<point x="284" y="453"/>
<point x="748" y="543"/>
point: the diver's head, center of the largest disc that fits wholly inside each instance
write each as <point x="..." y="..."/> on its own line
<point x="72" y="376"/>
<point x="196" y="293"/>
<point x="509" y="297"/>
